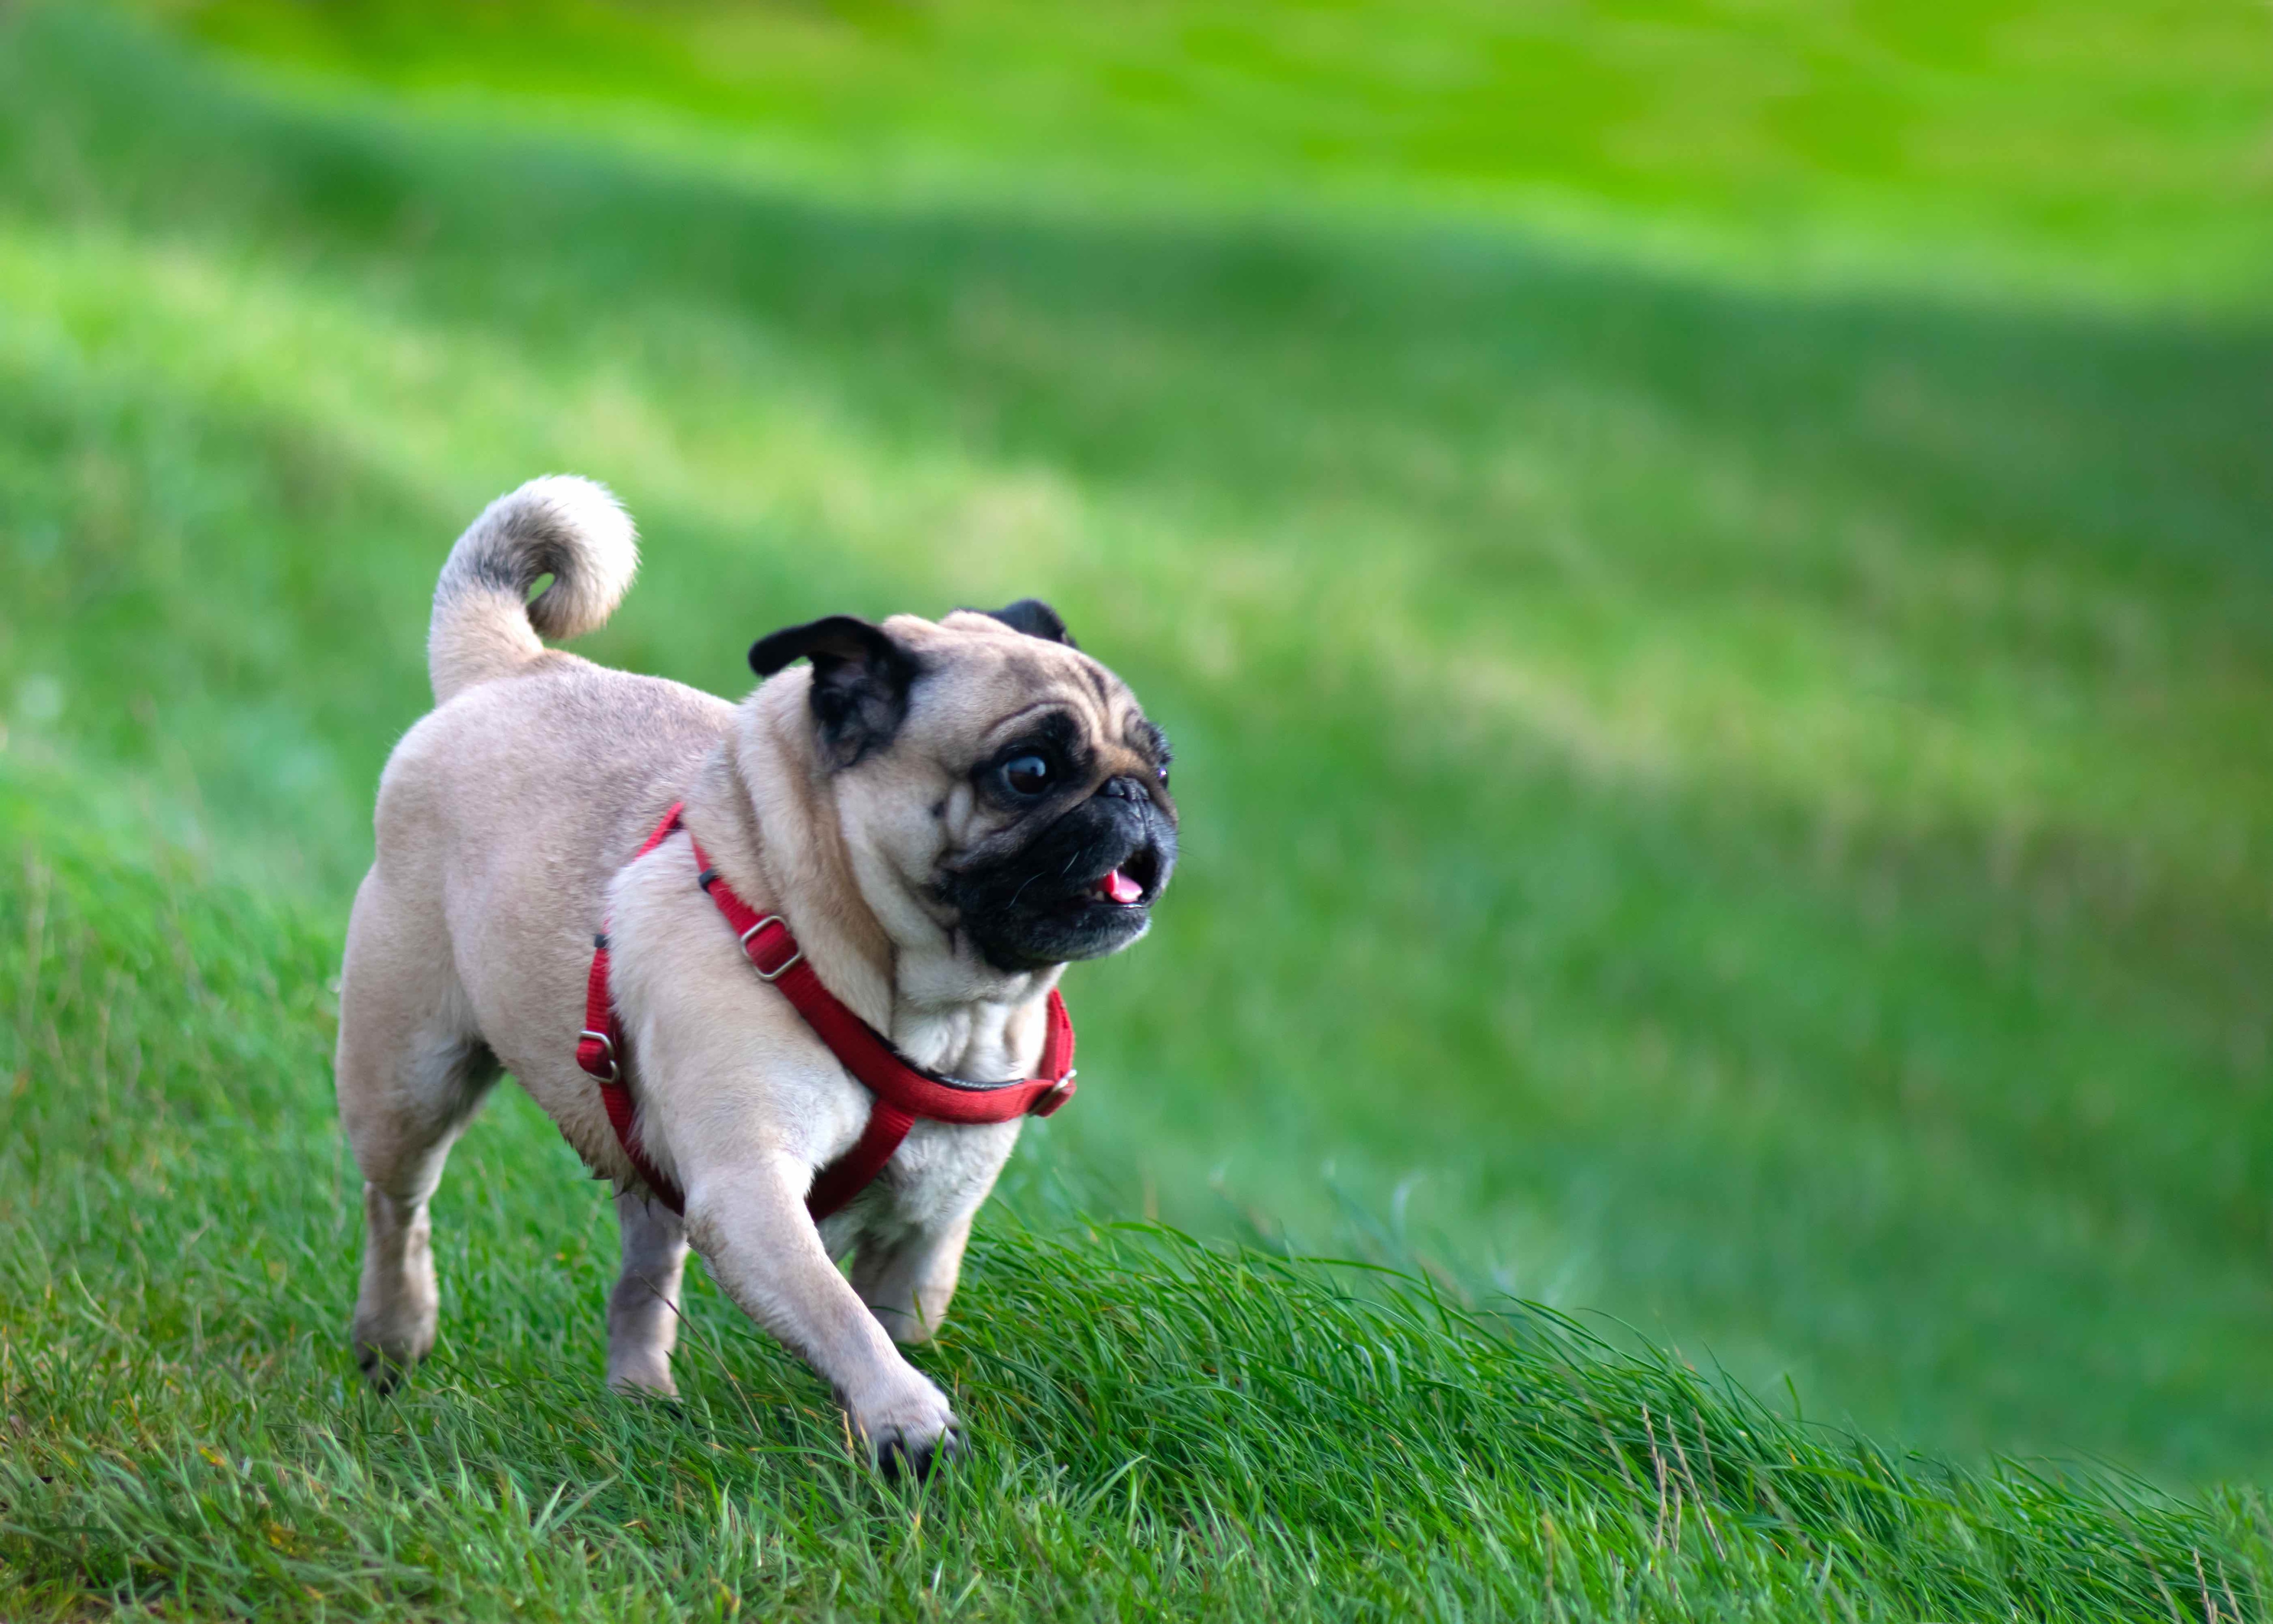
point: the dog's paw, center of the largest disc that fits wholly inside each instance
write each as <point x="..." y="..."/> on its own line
<point x="911" y="1434"/>
<point x="387" y="1346"/>
<point x="383" y="1368"/>
<point x="900" y="1460"/>
<point x="641" y="1379"/>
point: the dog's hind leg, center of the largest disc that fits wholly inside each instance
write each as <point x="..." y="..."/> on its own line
<point x="643" y="1309"/>
<point x="411" y="1073"/>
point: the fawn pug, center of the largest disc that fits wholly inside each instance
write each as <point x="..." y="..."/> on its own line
<point x="944" y="812"/>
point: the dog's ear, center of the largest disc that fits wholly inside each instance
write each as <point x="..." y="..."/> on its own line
<point x="1035" y="619"/>
<point x="860" y="681"/>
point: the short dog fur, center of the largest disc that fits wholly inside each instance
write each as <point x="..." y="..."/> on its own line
<point x="936" y="809"/>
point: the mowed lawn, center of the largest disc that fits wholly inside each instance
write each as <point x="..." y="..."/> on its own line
<point x="1731" y="805"/>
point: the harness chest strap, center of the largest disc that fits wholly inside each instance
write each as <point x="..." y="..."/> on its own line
<point x="903" y="1092"/>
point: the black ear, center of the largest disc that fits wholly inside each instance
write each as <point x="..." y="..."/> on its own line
<point x="860" y="681"/>
<point x="1035" y="619"/>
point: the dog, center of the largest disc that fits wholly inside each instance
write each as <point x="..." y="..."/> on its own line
<point x="945" y="814"/>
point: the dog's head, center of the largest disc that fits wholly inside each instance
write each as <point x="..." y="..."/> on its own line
<point x="988" y="768"/>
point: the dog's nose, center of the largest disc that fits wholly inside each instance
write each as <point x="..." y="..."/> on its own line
<point x="1126" y="789"/>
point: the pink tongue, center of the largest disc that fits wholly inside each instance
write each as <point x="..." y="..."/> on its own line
<point x="1117" y="887"/>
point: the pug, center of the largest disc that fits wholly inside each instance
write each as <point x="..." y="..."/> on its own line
<point x="944" y="812"/>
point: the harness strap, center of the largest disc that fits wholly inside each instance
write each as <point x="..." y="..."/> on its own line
<point x="600" y="1047"/>
<point x="904" y="1094"/>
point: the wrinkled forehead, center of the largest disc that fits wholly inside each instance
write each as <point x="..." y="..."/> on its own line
<point x="983" y="682"/>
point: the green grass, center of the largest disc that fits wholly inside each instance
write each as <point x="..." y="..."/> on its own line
<point x="2113" y="146"/>
<point x="1161" y="1429"/>
<point x="1743" y="810"/>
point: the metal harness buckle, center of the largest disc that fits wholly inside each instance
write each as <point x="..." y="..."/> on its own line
<point x="786" y="964"/>
<point x="1046" y="1103"/>
<point x="607" y="1051"/>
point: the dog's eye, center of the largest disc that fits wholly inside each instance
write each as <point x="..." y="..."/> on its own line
<point x="1026" y="775"/>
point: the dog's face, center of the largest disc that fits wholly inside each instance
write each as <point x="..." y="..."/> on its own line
<point x="1007" y="781"/>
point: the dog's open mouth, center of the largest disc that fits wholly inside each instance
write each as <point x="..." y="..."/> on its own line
<point x="1132" y="882"/>
<point x="1089" y="896"/>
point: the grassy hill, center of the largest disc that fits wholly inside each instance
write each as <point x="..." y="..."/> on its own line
<point x="1740" y="806"/>
<point x="2110" y="146"/>
<point x="1160" y="1430"/>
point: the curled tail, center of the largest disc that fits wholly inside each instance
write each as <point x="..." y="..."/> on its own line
<point x="486" y="624"/>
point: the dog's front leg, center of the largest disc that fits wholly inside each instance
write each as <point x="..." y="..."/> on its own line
<point x="643" y="1309"/>
<point x="752" y="1228"/>
<point x="908" y="1280"/>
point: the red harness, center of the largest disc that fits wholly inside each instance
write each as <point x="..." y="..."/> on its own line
<point x="903" y="1092"/>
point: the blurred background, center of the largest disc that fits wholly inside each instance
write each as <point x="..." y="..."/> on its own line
<point x="1706" y="563"/>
